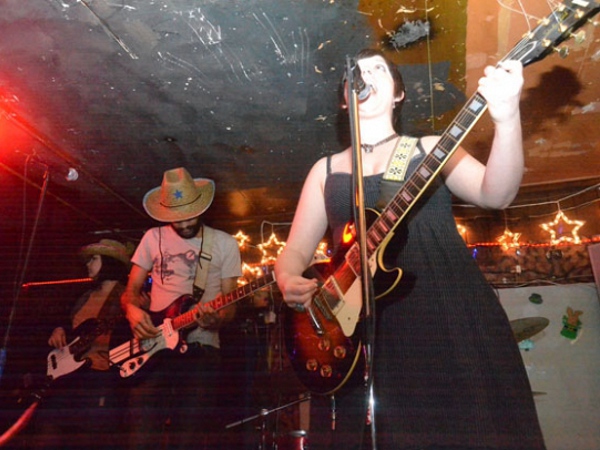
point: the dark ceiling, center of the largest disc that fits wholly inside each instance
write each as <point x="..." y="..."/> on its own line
<point x="246" y="92"/>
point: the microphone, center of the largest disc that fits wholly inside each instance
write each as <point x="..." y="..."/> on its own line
<point x="362" y="89"/>
<point x="69" y="173"/>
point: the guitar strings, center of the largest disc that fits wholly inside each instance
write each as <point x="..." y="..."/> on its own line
<point x="430" y="71"/>
<point x="126" y="350"/>
<point x="523" y="12"/>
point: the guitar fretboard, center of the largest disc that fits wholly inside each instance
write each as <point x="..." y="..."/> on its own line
<point x="189" y="318"/>
<point x="420" y="179"/>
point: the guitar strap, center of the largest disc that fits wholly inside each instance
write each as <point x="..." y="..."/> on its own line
<point x="396" y="169"/>
<point x="111" y="312"/>
<point x="207" y="235"/>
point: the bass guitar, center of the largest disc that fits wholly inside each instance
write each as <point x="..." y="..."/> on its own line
<point x="321" y="342"/>
<point x="63" y="361"/>
<point x="130" y="356"/>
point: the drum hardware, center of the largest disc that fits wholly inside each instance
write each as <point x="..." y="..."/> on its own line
<point x="293" y="440"/>
<point x="299" y="436"/>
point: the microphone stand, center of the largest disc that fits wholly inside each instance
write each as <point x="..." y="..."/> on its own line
<point x="263" y="415"/>
<point x="22" y="272"/>
<point x="361" y="233"/>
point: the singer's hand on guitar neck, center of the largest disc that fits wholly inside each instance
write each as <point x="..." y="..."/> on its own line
<point x="501" y="87"/>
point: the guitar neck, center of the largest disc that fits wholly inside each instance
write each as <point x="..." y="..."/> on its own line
<point x="188" y="318"/>
<point x="421" y="178"/>
<point x="91" y="330"/>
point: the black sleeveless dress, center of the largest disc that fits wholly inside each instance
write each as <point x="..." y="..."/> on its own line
<point x="447" y="370"/>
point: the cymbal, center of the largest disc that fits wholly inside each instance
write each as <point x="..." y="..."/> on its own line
<point x="527" y="327"/>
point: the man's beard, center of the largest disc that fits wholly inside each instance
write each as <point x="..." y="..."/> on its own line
<point x="189" y="231"/>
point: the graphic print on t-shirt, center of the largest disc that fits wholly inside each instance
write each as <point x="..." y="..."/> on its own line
<point x="176" y="264"/>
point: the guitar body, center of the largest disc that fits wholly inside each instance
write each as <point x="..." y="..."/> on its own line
<point x="325" y="359"/>
<point x="133" y="354"/>
<point x="63" y="361"/>
<point x="322" y="350"/>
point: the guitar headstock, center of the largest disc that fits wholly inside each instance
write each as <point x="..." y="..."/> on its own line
<point x="557" y="27"/>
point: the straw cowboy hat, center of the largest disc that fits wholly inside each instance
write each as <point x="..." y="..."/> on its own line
<point x="179" y="197"/>
<point x="109" y="247"/>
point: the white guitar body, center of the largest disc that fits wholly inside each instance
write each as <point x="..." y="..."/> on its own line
<point x="61" y="361"/>
<point x="143" y="349"/>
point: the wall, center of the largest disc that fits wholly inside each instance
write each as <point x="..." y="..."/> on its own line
<point x="564" y="373"/>
<point x="527" y="264"/>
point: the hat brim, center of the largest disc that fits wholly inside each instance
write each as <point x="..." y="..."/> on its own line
<point x="105" y="250"/>
<point x="163" y="213"/>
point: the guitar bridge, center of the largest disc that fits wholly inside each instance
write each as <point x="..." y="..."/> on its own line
<point x="322" y="304"/>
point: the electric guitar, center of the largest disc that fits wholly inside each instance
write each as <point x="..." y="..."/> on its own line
<point x="63" y="361"/>
<point x="130" y="356"/>
<point x="321" y="342"/>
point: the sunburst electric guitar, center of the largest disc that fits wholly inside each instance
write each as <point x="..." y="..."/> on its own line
<point x="130" y="356"/>
<point x="321" y="343"/>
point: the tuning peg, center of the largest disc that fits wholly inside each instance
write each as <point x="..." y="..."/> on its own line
<point x="563" y="52"/>
<point x="579" y="37"/>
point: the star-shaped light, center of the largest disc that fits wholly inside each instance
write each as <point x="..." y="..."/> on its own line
<point x="562" y="229"/>
<point x="509" y="239"/>
<point x="249" y="273"/>
<point x="271" y="249"/>
<point x="241" y="238"/>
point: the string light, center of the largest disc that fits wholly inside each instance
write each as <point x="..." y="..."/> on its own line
<point x="250" y="272"/>
<point x="584" y="241"/>
<point x="271" y="249"/>
<point x="462" y="230"/>
<point x="508" y="239"/>
<point x="241" y="238"/>
<point x="562" y="231"/>
<point x="555" y="227"/>
<point x="557" y="232"/>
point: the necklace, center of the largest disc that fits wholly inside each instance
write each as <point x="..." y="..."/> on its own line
<point x="368" y="148"/>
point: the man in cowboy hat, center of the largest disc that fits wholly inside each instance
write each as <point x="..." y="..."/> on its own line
<point x="182" y="257"/>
